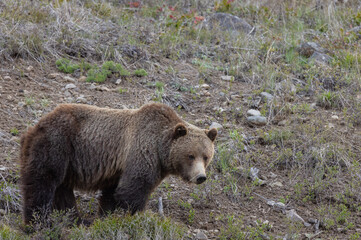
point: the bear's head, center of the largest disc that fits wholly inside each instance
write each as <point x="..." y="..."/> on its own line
<point x="191" y="152"/>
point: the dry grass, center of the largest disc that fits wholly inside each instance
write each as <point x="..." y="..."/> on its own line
<point x="320" y="161"/>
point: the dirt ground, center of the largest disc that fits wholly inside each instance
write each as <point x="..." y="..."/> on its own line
<point x="29" y="91"/>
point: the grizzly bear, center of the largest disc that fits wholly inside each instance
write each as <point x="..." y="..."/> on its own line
<point x="123" y="153"/>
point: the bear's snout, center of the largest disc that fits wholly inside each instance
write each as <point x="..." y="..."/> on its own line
<point x="201" y="179"/>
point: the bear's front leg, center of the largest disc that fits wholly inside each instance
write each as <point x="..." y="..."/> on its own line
<point x="133" y="191"/>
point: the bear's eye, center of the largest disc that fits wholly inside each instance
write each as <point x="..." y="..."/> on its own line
<point x="191" y="157"/>
<point x="205" y="158"/>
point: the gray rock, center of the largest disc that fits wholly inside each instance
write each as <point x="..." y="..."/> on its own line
<point x="70" y="86"/>
<point x="92" y="86"/>
<point x="69" y="79"/>
<point x="228" y="22"/>
<point x="294" y="217"/>
<point x="357" y="31"/>
<point x="282" y="123"/>
<point x="82" y="79"/>
<point x="30" y="69"/>
<point x="216" y="126"/>
<point x="54" y="75"/>
<point x="200" y="235"/>
<point x="266" y="96"/>
<point x="227" y="78"/>
<point x="308" y="48"/>
<point x="253" y="112"/>
<point x="322" y="58"/>
<point x="205" y="86"/>
<point x="312" y="220"/>
<point x="253" y="174"/>
<point x="8" y="78"/>
<point x="81" y="99"/>
<point x="67" y="93"/>
<point x="21" y="104"/>
<point x="2" y="212"/>
<point x="285" y="86"/>
<point x="257" y="120"/>
<point x="276" y="184"/>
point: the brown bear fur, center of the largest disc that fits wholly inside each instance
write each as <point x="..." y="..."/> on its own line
<point x="123" y="153"/>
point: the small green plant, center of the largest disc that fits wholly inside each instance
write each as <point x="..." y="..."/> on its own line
<point x="159" y="91"/>
<point x="66" y="65"/>
<point x="140" y="73"/>
<point x="225" y="158"/>
<point x="122" y="90"/>
<point x="329" y="99"/>
<point x="29" y="101"/>
<point x="14" y="131"/>
<point x="98" y="75"/>
<point x="191" y="215"/>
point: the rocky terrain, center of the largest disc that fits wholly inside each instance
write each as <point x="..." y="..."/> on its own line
<point x="280" y="80"/>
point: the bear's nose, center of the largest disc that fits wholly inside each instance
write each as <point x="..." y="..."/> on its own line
<point x="201" y="179"/>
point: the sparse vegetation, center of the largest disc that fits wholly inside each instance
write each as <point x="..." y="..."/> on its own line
<point x="140" y="73"/>
<point x="311" y="143"/>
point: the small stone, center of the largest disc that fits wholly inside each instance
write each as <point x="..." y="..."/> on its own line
<point x="293" y="216"/>
<point x="216" y="126"/>
<point x="67" y="93"/>
<point x="118" y="81"/>
<point x="272" y="175"/>
<point x="200" y="235"/>
<point x="312" y="220"/>
<point x="205" y="86"/>
<point x="320" y="58"/>
<point x="92" y="86"/>
<point x="81" y="99"/>
<point x="285" y="86"/>
<point x="205" y="93"/>
<point x="306" y="49"/>
<point x="53" y="75"/>
<point x="2" y="212"/>
<point x="356" y="30"/>
<point x="279" y="207"/>
<point x="276" y="184"/>
<point x="257" y="120"/>
<point x="235" y="96"/>
<point x="253" y="112"/>
<point x="82" y="79"/>
<point x="282" y="123"/>
<point x="7" y="78"/>
<point x="70" y="86"/>
<point x="335" y="117"/>
<point x="21" y="104"/>
<point x="228" y="22"/>
<point x="30" y="69"/>
<point x="102" y="89"/>
<point x="70" y="79"/>
<point x="227" y="78"/>
<point x="266" y="96"/>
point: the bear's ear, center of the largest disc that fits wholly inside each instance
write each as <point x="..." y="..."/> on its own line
<point x="179" y="131"/>
<point x="212" y="134"/>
